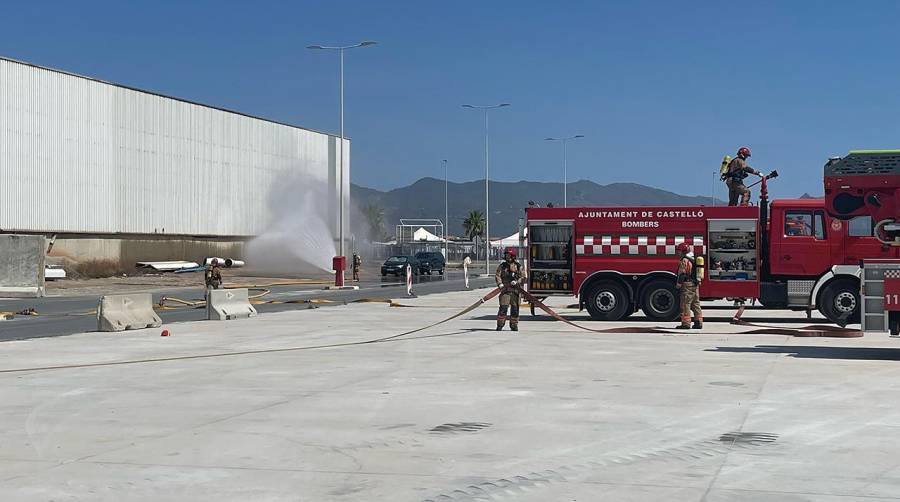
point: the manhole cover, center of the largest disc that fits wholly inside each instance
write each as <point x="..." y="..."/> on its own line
<point x="460" y="427"/>
<point x="748" y="437"/>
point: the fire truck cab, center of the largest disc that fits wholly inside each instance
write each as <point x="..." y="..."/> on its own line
<point x="793" y="253"/>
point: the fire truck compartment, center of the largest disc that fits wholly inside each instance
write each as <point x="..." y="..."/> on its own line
<point x="733" y="258"/>
<point x="550" y="256"/>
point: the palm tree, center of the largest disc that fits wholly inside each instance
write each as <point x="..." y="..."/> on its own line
<point x="374" y="215"/>
<point x="474" y="224"/>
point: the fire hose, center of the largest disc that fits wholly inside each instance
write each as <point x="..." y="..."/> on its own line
<point x="773" y="174"/>
<point x="812" y="330"/>
<point x="468" y="309"/>
<point x="804" y="331"/>
<point x="807" y="331"/>
<point x="201" y="303"/>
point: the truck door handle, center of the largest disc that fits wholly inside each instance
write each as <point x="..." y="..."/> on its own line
<point x="786" y="257"/>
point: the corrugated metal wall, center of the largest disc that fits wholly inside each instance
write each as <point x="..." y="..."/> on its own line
<point x="82" y="156"/>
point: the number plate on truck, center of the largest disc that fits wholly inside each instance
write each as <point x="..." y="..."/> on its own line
<point x="892" y="290"/>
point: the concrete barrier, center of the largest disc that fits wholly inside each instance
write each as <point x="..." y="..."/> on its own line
<point x="121" y="312"/>
<point x="225" y="304"/>
<point x="21" y="266"/>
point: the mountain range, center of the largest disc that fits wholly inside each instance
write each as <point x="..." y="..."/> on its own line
<point x="425" y="199"/>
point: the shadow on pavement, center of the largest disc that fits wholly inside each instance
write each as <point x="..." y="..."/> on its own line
<point x="584" y="317"/>
<point x="814" y="352"/>
<point x="733" y="308"/>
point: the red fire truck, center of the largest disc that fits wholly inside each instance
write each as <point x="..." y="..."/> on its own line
<point x="799" y="254"/>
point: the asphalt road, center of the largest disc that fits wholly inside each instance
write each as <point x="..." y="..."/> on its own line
<point x="65" y="315"/>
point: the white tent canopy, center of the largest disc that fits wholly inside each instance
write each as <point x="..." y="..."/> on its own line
<point x="424" y="235"/>
<point x="511" y="241"/>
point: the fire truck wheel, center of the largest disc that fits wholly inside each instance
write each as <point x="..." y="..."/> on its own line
<point x="838" y="299"/>
<point x="608" y="301"/>
<point x="660" y="301"/>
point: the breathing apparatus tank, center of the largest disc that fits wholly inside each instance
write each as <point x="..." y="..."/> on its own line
<point x="723" y="169"/>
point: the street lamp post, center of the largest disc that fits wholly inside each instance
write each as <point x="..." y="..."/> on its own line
<point x="487" y="190"/>
<point x="340" y="50"/>
<point x="446" y="211"/>
<point x="565" y="165"/>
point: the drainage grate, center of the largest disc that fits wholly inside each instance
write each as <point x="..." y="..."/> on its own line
<point x="748" y="437"/>
<point x="460" y="427"/>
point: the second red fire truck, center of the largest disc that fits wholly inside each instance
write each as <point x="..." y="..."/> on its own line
<point x="794" y="253"/>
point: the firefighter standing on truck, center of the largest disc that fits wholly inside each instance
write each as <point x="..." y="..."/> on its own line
<point x="509" y="277"/>
<point x="690" y="272"/>
<point x="738" y="169"/>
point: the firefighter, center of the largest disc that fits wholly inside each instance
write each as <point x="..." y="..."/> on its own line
<point x="509" y="276"/>
<point x="357" y="262"/>
<point x="213" y="276"/>
<point x="794" y="226"/>
<point x="687" y="282"/>
<point x="738" y="169"/>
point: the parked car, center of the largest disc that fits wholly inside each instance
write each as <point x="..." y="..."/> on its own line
<point x="431" y="262"/>
<point x="396" y="265"/>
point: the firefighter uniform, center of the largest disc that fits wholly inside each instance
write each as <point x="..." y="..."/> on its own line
<point x="688" y="283"/>
<point x="738" y="193"/>
<point x="357" y="262"/>
<point x="213" y="276"/>
<point x="509" y="276"/>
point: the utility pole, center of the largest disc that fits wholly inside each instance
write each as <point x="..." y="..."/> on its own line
<point x="487" y="186"/>
<point x="446" y="212"/>
<point x="340" y="50"/>
<point x="565" y="165"/>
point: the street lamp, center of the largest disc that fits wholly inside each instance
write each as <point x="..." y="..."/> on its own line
<point x="341" y="50"/>
<point x="565" y="166"/>
<point x="446" y="211"/>
<point x="487" y="198"/>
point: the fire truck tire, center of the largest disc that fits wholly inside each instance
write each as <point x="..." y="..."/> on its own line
<point x="838" y="298"/>
<point x="659" y="301"/>
<point x="608" y="301"/>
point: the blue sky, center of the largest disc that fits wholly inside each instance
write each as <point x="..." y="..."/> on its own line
<point x="661" y="90"/>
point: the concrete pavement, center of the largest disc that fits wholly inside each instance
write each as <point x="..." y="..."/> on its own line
<point x="458" y="412"/>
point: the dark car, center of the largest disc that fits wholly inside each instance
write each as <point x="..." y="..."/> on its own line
<point x="396" y="265"/>
<point x="431" y="262"/>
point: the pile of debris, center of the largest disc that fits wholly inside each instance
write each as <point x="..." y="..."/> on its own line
<point x="187" y="266"/>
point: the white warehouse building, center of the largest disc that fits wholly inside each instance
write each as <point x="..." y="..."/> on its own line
<point x="111" y="172"/>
